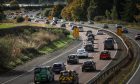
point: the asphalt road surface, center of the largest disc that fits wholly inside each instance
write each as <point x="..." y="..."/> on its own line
<point x="24" y="74"/>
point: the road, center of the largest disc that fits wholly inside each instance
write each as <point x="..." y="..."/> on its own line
<point x="24" y="74"/>
<point x="135" y="79"/>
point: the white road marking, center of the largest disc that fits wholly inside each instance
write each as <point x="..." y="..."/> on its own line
<point x="138" y="66"/>
<point x="42" y="64"/>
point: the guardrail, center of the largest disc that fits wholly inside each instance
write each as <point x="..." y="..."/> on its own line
<point x="102" y="76"/>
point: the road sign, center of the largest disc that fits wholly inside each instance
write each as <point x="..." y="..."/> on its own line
<point x="119" y="31"/>
<point x="75" y="33"/>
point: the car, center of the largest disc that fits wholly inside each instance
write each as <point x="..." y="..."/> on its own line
<point x="90" y="39"/>
<point x="71" y="23"/>
<point x="68" y="77"/>
<point x="89" y="47"/>
<point x="88" y="32"/>
<point x="82" y="53"/>
<point x="72" y="59"/>
<point x="105" y="55"/>
<point x="90" y="22"/>
<point x="89" y="66"/>
<point x="62" y="25"/>
<point x="100" y="32"/>
<point x="47" y="22"/>
<point x="81" y="22"/>
<point x="91" y="35"/>
<point x="73" y="26"/>
<point x="105" y="26"/>
<point x="137" y="37"/>
<point x="111" y="38"/>
<point x="80" y="28"/>
<point x="108" y="45"/>
<point x="43" y="74"/>
<point x="58" y="67"/>
<point x="53" y="22"/>
<point x="125" y="30"/>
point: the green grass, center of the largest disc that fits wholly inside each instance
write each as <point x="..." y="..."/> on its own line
<point x="9" y="25"/>
<point x="56" y="45"/>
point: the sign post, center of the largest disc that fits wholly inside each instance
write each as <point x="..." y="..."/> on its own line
<point x="75" y="33"/>
<point x="119" y="30"/>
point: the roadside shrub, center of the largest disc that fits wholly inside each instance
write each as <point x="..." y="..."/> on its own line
<point x="20" y="19"/>
<point x="99" y="18"/>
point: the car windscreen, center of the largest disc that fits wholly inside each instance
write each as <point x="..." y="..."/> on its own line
<point x="87" y="63"/>
<point x="41" y="70"/>
<point x="104" y="52"/>
<point x="71" y="57"/>
<point x="108" y="42"/>
<point x="80" y="51"/>
<point x="57" y="65"/>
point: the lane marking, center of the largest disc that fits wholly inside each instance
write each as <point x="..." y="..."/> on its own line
<point x="115" y="35"/>
<point x="138" y="66"/>
<point x="42" y="64"/>
<point x="105" y="66"/>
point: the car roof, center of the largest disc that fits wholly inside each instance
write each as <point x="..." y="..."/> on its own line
<point x="59" y="63"/>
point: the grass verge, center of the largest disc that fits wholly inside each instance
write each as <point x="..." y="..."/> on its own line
<point x="62" y="43"/>
<point x="10" y="25"/>
<point x="125" y="73"/>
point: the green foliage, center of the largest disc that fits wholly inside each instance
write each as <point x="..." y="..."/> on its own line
<point x="108" y="14"/>
<point x="114" y="13"/>
<point x="91" y="10"/>
<point x="130" y="10"/>
<point x="14" y="4"/>
<point x="46" y="12"/>
<point x="20" y="19"/>
<point x="56" y="11"/>
<point x="99" y="18"/>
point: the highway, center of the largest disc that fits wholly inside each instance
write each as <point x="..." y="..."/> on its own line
<point x="24" y="73"/>
<point x="132" y="32"/>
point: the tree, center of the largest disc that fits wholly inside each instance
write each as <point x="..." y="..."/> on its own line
<point x="2" y="15"/>
<point x="46" y="12"/>
<point x="14" y="4"/>
<point x="91" y="10"/>
<point x="108" y="14"/>
<point x="130" y="10"/>
<point x="76" y="13"/>
<point x="56" y="11"/>
<point x="114" y="14"/>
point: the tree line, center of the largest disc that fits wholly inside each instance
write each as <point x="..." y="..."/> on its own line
<point x="111" y="9"/>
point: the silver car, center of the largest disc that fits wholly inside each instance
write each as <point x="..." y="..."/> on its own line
<point x="82" y="53"/>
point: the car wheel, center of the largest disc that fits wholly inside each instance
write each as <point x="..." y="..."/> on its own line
<point x="83" y="70"/>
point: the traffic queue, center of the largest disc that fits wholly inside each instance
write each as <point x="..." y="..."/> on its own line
<point x="47" y="74"/>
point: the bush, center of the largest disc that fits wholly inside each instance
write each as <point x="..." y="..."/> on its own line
<point x="99" y="18"/>
<point x="20" y="19"/>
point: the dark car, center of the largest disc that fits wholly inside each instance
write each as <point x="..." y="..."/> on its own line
<point x="108" y="45"/>
<point x="47" y="22"/>
<point x="58" y="67"/>
<point x="89" y="47"/>
<point x="63" y="25"/>
<point x="90" y="39"/>
<point x="110" y="38"/>
<point x="125" y="30"/>
<point x="43" y="75"/>
<point x="89" y="66"/>
<point x="137" y="37"/>
<point x="105" y="26"/>
<point x="90" y="22"/>
<point x="72" y="59"/>
<point x="105" y="55"/>
<point x="91" y="35"/>
<point x="88" y="32"/>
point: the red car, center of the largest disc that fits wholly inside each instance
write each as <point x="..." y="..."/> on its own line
<point x="105" y="55"/>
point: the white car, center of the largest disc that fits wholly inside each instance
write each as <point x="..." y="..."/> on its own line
<point x="71" y="24"/>
<point x="82" y="53"/>
<point x="100" y="32"/>
<point x="80" y="28"/>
